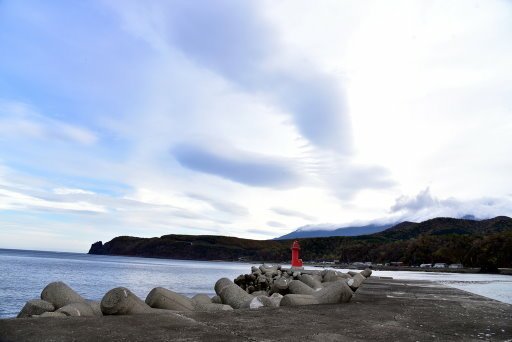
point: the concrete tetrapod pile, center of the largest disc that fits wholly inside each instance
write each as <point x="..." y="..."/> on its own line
<point x="293" y="286"/>
<point x="265" y="286"/>
<point x="59" y="300"/>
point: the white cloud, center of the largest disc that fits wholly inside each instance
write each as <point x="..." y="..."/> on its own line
<point x="69" y="191"/>
<point x="18" y="200"/>
<point x="423" y="200"/>
<point x="289" y="212"/>
<point x="21" y="121"/>
<point x="425" y="206"/>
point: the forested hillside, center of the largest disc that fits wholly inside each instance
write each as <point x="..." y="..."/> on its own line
<point x="486" y="243"/>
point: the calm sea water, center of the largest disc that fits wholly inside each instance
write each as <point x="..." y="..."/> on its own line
<point x="24" y="274"/>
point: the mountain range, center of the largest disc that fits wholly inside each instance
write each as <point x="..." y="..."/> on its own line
<point x="318" y="231"/>
<point x="309" y="232"/>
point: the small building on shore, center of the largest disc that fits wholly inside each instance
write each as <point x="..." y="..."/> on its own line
<point x="426" y="265"/>
<point x="456" y="266"/>
<point x="440" y="265"/>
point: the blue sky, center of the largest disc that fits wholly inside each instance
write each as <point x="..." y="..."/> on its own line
<point x="249" y="118"/>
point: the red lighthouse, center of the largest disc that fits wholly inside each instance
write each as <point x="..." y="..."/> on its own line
<point x="296" y="262"/>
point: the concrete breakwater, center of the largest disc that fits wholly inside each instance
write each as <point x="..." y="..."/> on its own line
<point x="382" y="310"/>
<point x="265" y="286"/>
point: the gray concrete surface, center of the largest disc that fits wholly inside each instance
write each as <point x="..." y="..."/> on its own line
<point x="35" y="307"/>
<point x="60" y="294"/>
<point x="162" y="298"/>
<point x="381" y="310"/>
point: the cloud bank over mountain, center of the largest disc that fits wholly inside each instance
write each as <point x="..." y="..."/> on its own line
<point x="425" y="206"/>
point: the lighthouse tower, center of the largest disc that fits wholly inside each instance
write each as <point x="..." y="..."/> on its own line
<point x="296" y="262"/>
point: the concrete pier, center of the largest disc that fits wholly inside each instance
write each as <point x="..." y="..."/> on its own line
<point x="381" y="310"/>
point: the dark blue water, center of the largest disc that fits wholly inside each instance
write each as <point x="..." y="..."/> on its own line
<point x="24" y="274"/>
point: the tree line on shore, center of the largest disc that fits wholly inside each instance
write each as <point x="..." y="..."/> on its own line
<point x="486" y="244"/>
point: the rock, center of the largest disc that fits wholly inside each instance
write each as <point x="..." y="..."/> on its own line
<point x="255" y="269"/>
<point x="216" y="300"/>
<point x="161" y="298"/>
<point x="231" y="294"/>
<point x="264" y="301"/>
<point x="259" y="293"/>
<point x="356" y="281"/>
<point x="95" y="306"/>
<point x="201" y="298"/>
<point x="121" y="301"/>
<point x="352" y="273"/>
<point x="96" y="248"/>
<point x="311" y="272"/>
<point x="298" y="287"/>
<point x="240" y="279"/>
<point x="53" y="314"/>
<point x="203" y="302"/>
<point x="281" y="285"/>
<point x="35" y="307"/>
<point x="310" y="281"/>
<point x="212" y="307"/>
<point x="317" y="277"/>
<point x="60" y="294"/>
<point x="268" y="269"/>
<point x="260" y="301"/>
<point x="261" y="279"/>
<point x="335" y="292"/>
<point x="77" y="310"/>
<point x="276" y="299"/>
<point x="220" y="284"/>
<point x="329" y="275"/>
<point x="296" y="274"/>
<point x="298" y="299"/>
<point x="250" y="277"/>
<point x="366" y="273"/>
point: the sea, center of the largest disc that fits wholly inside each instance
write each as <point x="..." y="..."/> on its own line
<point x="23" y="275"/>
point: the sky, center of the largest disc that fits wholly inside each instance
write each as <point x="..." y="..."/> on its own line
<point x="249" y="118"/>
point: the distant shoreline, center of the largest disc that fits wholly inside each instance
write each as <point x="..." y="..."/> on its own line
<point x="503" y="271"/>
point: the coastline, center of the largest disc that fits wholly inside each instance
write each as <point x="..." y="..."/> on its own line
<point x="382" y="310"/>
<point x="502" y="271"/>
